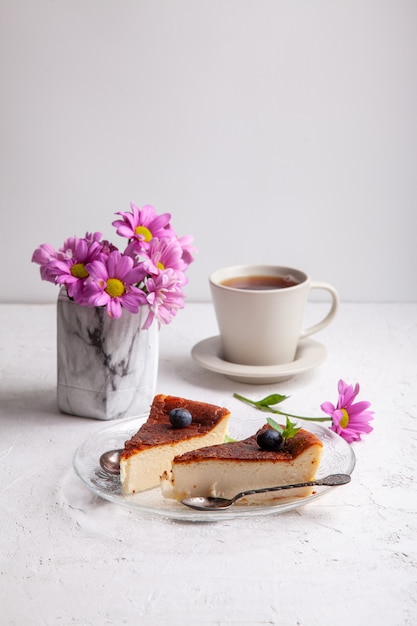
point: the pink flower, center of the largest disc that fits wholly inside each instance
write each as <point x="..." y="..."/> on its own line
<point x="90" y="237"/>
<point x="187" y="249"/>
<point x="106" y="246"/>
<point x="142" y="225"/>
<point x="71" y="267"/>
<point x="113" y="284"/>
<point x="151" y="270"/>
<point x="165" y="254"/>
<point x="43" y="255"/>
<point x="164" y="297"/>
<point x="349" y="420"/>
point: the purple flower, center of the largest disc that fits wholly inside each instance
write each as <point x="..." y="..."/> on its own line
<point x="113" y="284"/>
<point x="72" y="271"/>
<point x="349" y="420"/>
<point x="90" y="237"/>
<point x="142" y="225"/>
<point x="187" y="249"/>
<point x="43" y="256"/>
<point x="151" y="270"/>
<point x="165" y="254"/>
<point x="164" y="297"/>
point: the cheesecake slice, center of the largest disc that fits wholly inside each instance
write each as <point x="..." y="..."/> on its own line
<point x="227" y="469"/>
<point x="149" y="453"/>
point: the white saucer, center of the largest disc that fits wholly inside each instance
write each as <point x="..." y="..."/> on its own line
<point x="207" y="353"/>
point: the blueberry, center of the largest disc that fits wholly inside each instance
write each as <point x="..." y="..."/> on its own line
<point x="269" y="440"/>
<point x="180" y="418"/>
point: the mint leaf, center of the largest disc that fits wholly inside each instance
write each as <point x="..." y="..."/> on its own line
<point x="273" y="424"/>
<point x="288" y="432"/>
<point x="290" y="429"/>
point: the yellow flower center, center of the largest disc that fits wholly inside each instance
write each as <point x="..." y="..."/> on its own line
<point x="345" y="419"/>
<point x="115" y="288"/>
<point x="145" y="232"/>
<point x="160" y="265"/>
<point x="78" y="270"/>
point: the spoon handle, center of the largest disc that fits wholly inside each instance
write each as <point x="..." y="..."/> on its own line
<point x="330" y="481"/>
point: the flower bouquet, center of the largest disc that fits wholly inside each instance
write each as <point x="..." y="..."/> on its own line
<point x="110" y="308"/>
<point x="149" y="271"/>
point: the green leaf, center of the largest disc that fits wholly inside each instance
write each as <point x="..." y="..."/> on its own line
<point x="228" y="439"/>
<point x="266" y="406"/>
<point x="275" y="398"/>
<point x="262" y="405"/>
<point x="290" y="429"/>
<point x="273" y="424"/>
<point x="288" y="432"/>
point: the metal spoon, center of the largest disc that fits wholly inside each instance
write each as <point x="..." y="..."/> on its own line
<point x="203" y="503"/>
<point x="110" y="461"/>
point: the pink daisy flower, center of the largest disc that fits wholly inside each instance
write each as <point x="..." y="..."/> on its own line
<point x="106" y="246"/>
<point x="163" y="254"/>
<point x="164" y="297"/>
<point x="95" y="273"/>
<point x="142" y="225"/>
<point x="71" y="269"/>
<point x="350" y="420"/>
<point x="113" y="284"/>
<point x="187" y="249"/>
<point x="43" y="256"/>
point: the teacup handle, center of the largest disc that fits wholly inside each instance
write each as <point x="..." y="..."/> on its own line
<point x="330" y="315"/>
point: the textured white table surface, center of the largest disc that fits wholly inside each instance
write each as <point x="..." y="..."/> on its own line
<point x="70" y="558"/>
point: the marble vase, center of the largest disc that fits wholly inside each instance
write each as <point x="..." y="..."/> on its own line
<point x="107" y="368"/>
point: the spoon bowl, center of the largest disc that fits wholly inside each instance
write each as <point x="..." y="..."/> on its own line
<point x="208" y="503"/>
<point x="110" y="461"/>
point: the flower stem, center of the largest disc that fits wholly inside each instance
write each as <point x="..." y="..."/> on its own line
<point x="268" y="409"/>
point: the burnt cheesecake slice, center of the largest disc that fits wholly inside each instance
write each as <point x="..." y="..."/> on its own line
<point x="230" y="468"/>
<point x="149" y="453"/>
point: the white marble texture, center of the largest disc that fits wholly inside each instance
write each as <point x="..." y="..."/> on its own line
<point x="350" y="559"/>
<point x="107" y="368"/>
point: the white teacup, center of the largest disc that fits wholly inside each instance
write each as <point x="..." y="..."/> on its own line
<point x="260" y="309"/>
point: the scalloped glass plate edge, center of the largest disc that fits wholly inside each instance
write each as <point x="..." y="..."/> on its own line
<point x="338" y="457"/>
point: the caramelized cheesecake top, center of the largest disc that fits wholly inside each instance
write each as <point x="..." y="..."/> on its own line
<point x="249" y="450"/>
<point x="157" y="430"/>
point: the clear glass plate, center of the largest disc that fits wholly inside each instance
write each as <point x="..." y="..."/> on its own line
<point x="338" y="457"/>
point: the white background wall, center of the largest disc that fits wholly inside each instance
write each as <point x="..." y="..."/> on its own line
<point x="276" y="131"/>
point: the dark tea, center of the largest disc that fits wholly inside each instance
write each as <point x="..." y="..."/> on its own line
<point x="261" y="283"/>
